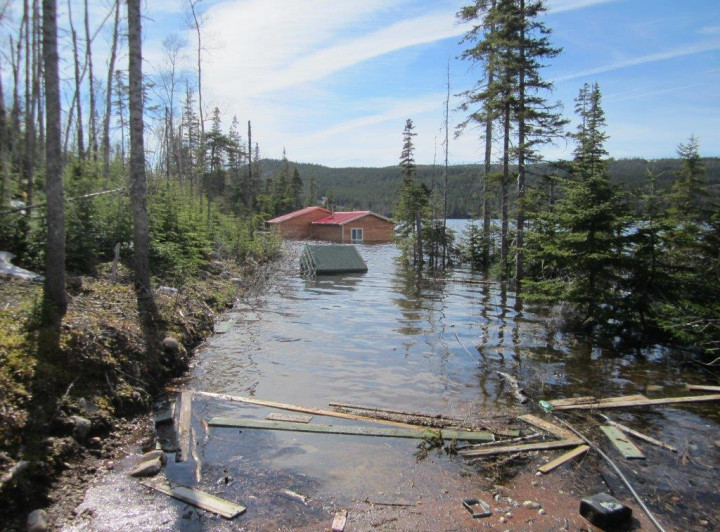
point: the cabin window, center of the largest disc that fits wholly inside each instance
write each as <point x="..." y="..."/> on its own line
<point x="356" y="235"/>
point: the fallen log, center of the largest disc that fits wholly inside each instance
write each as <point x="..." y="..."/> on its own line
<point x="542" y="446"/>
<point x="297" y="408"/>
<point x="646" y="402"/>
<point x="198" y="498"/>
<point x="560" y="460"/>
<point x="702" y="388"/>
<point x="390" y="432"/>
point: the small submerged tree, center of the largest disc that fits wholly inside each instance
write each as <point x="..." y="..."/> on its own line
<point x="413" y="202"/>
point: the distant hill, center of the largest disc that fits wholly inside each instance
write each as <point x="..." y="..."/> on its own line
<point x="375" y="188"/>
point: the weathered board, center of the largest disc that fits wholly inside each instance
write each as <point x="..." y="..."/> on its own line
<point x="642" y="436"/>
<point x="622" y="443"/>
<point x="541" y="446"/>
<point x="702" y="388"/>
<point x="183" y="427"/>
<point x="351" y="430"/>
<point x="560" y="460"/>
<point x="211" y="503"/>
<point x="603" y="403"/>
<point x="592" y="399"/>
<point x="293" y="418"/>
<point x="548" y="427"/>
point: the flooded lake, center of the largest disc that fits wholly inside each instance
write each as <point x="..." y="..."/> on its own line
<point x="391" y="339"/>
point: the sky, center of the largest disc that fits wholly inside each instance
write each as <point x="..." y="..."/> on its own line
<point x="333" y="81"/>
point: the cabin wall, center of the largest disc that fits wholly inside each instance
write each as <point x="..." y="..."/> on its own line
<point x="330" y="233"/>
<point x="375" y="230"/>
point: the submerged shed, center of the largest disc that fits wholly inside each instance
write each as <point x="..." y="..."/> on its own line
<point x="331" y="258"/>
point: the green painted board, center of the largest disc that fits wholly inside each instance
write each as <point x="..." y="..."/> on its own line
<point x="622" y="442"/>
<point x="211" y="503"/>
<point x="352" y="430"/>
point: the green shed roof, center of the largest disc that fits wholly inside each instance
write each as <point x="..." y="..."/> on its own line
<point x="334" y="258"/>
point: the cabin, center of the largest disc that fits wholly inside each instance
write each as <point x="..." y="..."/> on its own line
<point x="344" y="227"/>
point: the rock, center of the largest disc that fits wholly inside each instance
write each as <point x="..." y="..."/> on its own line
<point x="532" y="505"/>
<point x="170" y="344"/>
<point x="37" y="521"/>
<point x="167" y="290"/>
<point x="81" y="428"/>
<point x="704" y="522"/>
<point x="717" y="443"/>
<point x="502" y="519"/>
<point x="152" y="455"/>
<point x="148" y="468"/>
<point x="541" y="511"/>
<point x="237" y="281"/>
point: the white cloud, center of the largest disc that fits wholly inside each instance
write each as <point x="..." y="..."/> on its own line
<point x="644" y="59"/>
<point x="558" y="6"/>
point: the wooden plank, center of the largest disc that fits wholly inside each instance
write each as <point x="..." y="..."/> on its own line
<point x="183" y="428"/>
<point x="338" y="524"/>
<point x="390" y="432"/>
<point x="641" y="436"/>
<point x="646" y="402"/>
<point x="593" y="399"/>
<point x="560" y="460"/>
<point x="293" y="418"/>
<point x="297" y="408"/>
<point x="553" y="429"/>
<point x="211" y="503"/>
<point x="398" y="412"/>
<point x="702" y="388"/>
<point x="620" y="440"/>
<point x="541" y="446"/>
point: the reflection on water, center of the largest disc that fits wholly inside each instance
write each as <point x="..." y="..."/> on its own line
<point x="393" y="338"/>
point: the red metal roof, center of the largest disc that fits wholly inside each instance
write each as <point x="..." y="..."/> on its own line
<point x="295" y="214"/>
<point x="341" y="217"/>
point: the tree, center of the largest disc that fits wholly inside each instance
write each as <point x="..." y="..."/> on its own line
<point x="138" y="187"/>
<point x="108" y="95"/>
<point x="296" y="189"/>
<point x="578" y="246"/>
<point x="55" y="249"/>
<point x="413" y="200"/>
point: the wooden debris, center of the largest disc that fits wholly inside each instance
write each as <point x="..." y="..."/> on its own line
<point x="297" y="408"/>
<point x="592" y="399"/>
<point x="293" y="418"/>
<point x="338" y="524"/>
<point x="398" y="412"/>
<point x="198" y="498"/>
<point x="504" y="442"/>
<point x="518" y="392"/>
<point x="183" y="428"/>
<point x="549" y="427"/>
<point x="550" y="466"/>
<point x="702" y="388"/>
<point x="640" y="435"/>
<point x="294" y="495"/>
<point x="604" y="403"/>
<point x="557" y="444"/>
<point x="622" y="443"/>
<point x="390" y="432"/>
<point x="165" y="415"/>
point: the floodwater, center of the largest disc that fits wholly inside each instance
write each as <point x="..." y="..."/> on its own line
<point x="391" y="339"/>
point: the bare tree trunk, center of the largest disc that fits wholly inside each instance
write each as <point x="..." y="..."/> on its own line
<point x="201" y="155"/>
<point x="29" y="149"/>
<point x="138" y="189"/>
<point x="4" y="160"/>
<point x="78" y="82"/>
<point x="92" y="126"/>
<point x="16" y="59"/>
<point x="505" y="193"/>
<point x="55" y="250"/>
<point x="520" y="202"/>
<point x="445" y="170"/>
<point x="108" y="97"/>
<point x="488" y="162"/>
<point x="249" y="193"/>
<point x="37" y="94"/>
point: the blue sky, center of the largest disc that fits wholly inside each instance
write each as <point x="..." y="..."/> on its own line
<point x="333" y="81"/>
